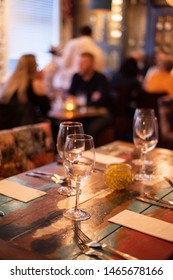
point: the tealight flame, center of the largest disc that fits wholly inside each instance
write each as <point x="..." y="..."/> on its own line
<point x="70" y="104"/>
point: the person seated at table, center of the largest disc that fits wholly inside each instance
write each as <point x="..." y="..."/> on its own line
<point x="68" y="63"/>
<point x="23" y="97"/>
<point x="161" y="79"/>
<point x="96" y="87"/>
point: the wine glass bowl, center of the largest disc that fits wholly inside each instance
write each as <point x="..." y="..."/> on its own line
<point x="79" y="159"/>
<point x="145" y="138"/>
<point x="142" y="112"/>
<point x="66" y="128"/>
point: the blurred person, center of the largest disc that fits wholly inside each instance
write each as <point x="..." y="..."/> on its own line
<point x="125" y="81"/>
<point x="125" y="94"/>
<point x="84" y="43"/>
<point x="140" y="59"/>
<point x="96" y="87"/>
<point x="23" y="96"/>
<point x="160" y="57"/>
<point x="69" y="62"/>
<point x="160" y="79"/>
<point x="91" y="82"/>
<point x="50" y="70"/>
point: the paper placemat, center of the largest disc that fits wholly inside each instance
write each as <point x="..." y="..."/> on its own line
<point x="105" y="159"/>
<point x="18" y="191"/>
<point x="145" y="224"/>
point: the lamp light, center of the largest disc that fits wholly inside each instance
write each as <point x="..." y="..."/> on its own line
<point x="169" y="2"/>
<point x="100" y="5"/>
<point x="70" y="104"/>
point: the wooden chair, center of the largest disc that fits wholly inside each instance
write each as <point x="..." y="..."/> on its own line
<point x="26" y="147"/>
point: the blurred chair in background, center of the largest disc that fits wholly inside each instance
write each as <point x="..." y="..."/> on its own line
<point x="165" y="108"/>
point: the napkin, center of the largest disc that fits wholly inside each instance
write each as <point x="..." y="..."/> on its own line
<point x="145" y="224"/>
<point x="18" y="191"/>
<point x="105" y="159"/>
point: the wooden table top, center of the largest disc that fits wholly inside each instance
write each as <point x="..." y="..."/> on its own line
<point x="38" y="230"/>
<point x="87" y="112"/>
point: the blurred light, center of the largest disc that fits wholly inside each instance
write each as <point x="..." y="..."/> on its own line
<point x="70" y="104"/>
<point x="117" y="17"/>
<point x="116" y="34"/>
<point x="117" y="2"/>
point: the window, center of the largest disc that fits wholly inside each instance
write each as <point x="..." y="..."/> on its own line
<point x="33" y="26"/>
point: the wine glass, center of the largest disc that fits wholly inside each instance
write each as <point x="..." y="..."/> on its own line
<point x="142" y="112"/>
<point x="66" y="128"/>
<point x="145" y="137"/>
<point x="79" y="160"/>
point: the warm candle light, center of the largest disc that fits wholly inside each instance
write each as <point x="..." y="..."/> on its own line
<point x="70" y="104"/>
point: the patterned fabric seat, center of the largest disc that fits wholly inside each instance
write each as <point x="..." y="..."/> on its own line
<point x="165" y="106"/>
<point x="26" y="147"/>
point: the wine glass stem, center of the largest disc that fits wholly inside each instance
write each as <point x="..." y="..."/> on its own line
<point x="69" y="183"/>
<point x="143" y="157"/>
<point x="77" y="195"/>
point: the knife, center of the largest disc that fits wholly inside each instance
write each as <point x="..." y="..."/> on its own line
<point x="33" y="174"/>
<point x="2" y="214"/>
<point x="162" y="203"/>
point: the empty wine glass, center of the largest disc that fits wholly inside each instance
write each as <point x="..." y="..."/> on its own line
<point x="142" y="112"/>
<point x="145" y="137"/>
<point x="66" y="128"/>
<point x="79" y="159"/>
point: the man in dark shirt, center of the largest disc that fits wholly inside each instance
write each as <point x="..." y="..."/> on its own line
<point x="90" y="82"/>
<point x="96" y="87"/>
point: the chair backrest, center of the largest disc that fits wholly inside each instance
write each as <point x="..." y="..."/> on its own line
<point x="26" y="147"/>
<point x="150" y="100"/>
<point x="165" y="108"/>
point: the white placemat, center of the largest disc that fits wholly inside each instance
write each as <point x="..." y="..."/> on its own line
<point x="145" y="224"/>
<point x="18" y="191"/>
<point x="105" y="159"/>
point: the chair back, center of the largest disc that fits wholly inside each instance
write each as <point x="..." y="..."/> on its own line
<point x="26" y="147"/>
<point x="150" y="100"/>
<point x="165" y="105"/>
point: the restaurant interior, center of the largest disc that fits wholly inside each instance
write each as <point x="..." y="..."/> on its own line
<point x="101" y="111"/>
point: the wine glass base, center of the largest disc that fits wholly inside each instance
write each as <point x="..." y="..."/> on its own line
<point x="140" y="162"/>
<point x="67" y="191"/>
<point x="76" y="215"/>
<point x="145" y="177"/>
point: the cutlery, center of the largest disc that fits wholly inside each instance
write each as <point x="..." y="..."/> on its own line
<point x="43" y="173"/>
<point x="161" y="202"/>
<point x="168" y="180"/>
<point x="91" y="252"/>
<point x="54" y="177"/>
<point x="2" y="214"/>
<point x="99" y="245"/>
<point x="147" y="195"/>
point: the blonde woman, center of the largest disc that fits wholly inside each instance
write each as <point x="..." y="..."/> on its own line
<point x="24" y="95"/>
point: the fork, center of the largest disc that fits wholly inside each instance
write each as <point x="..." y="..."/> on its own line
<point x="54" y="177"/>
<point x="94" y="244"/>
<point x="89" y="251"/>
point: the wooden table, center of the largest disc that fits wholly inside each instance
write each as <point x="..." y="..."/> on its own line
<point x="83" y="113"/>
<point x="38" y="230"/>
